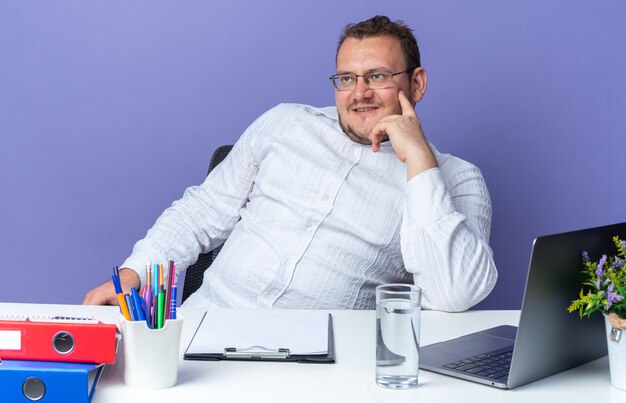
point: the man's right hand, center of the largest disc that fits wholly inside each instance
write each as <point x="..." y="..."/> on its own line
<point x="104" y="294"/>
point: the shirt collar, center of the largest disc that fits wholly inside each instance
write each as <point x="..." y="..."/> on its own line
<point x="328" y="111"/>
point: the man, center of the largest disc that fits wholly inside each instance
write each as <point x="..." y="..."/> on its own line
<point x="318" y="206"/>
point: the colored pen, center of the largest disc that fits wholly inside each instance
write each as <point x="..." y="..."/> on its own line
<point x="138" y="308"/>
<point x="173" y="279"/>
<point x="173" y="303"/>
<point x="168" y="286"/>
<point x="123" y="307"/>
<point x="142" y="303"/>
<point x="155" y="280"/>
<point x="160" y="309"/>
<point x="149" y="307"/>
<point x="148" y="276"/>
<point x="120" y="296"/>
<point x="131" y="310"/>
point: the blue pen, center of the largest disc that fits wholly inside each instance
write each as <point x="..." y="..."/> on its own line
<point x="173" y="303"/>
<point x="139" y="312"/>
<point x="145" y="311"/>
<point x="131" y="309"/>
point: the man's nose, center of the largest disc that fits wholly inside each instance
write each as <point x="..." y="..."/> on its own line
<point x="362" y="89"/>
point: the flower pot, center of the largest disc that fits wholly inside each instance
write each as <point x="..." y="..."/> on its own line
<point x="616" y="342"/>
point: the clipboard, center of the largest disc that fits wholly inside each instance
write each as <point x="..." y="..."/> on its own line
<point x="230" y="335"/>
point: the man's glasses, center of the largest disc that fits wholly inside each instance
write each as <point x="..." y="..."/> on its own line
<point x="376" y="80"/>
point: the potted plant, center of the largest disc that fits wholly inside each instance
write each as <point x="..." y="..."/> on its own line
<point x="605" y="291"/>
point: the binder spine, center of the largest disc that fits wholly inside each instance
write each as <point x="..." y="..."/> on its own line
<point x="27" y="381"/>
<point x="50" y="341"/>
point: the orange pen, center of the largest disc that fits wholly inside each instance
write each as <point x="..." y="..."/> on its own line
<point x="120" y="295"/>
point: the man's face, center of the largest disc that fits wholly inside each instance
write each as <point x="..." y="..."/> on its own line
<point x="361" y="108"/>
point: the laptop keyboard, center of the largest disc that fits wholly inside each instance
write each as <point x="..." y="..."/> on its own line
<point x="493" y="365"/>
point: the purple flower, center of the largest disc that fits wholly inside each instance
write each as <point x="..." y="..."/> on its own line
<point x="600" y="269"/>
<point x="611" y="296"/>
<point x="585" y="256"/>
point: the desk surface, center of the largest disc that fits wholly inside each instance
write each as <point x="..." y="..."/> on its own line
<point x="351" y="379"/>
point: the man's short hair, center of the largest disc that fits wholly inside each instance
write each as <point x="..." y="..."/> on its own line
<point x="381" y="25"/>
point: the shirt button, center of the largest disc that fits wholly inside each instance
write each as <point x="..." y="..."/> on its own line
<point x="325" y="197"/>
<point x="308" y="224"/>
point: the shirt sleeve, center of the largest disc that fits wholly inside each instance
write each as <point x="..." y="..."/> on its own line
<point x="206" y="214"/>
<point x="445" y="234"/>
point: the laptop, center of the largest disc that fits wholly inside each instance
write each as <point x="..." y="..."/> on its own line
<point x="548" y="339"/>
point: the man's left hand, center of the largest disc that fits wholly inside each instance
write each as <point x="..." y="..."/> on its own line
<point x="406" y="137"/>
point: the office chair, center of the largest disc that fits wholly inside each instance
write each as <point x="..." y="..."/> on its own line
<point x="195" y="272"/>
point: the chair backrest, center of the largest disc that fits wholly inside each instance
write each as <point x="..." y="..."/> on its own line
<point x="195" y="272"/>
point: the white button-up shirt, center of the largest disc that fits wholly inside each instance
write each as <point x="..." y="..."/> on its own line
<point x="311" y="219"/>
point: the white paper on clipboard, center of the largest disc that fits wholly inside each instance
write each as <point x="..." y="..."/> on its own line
<point x="302" y="332"/>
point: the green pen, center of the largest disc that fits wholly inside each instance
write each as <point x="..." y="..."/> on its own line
<point x="160" y="309"/>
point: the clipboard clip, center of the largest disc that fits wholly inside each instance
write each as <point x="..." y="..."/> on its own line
<point x="256" y="352"/>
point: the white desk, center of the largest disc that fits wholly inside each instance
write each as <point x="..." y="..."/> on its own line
<point x="351" y="379"/>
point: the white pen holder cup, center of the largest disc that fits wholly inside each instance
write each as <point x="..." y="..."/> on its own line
<point x="151" y="355"/>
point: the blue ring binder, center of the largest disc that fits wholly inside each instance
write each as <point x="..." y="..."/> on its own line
<point x="33" y="388"/>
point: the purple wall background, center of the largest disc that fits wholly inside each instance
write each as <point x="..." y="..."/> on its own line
<point x="108" y="110"/>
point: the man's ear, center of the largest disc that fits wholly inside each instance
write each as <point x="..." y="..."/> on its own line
<point x="419" y="80"/>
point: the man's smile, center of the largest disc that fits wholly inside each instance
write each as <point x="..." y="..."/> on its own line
<point x="364" y="109"/>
